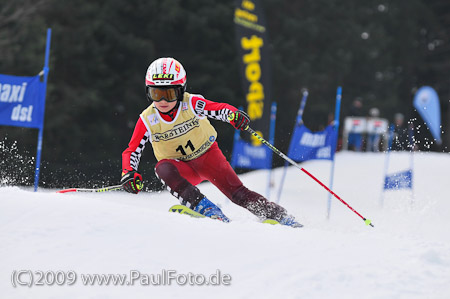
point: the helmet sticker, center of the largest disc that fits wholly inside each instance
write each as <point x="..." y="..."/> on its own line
<point x="162" y="77"/>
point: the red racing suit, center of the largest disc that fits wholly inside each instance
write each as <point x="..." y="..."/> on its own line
<point x="181" y="177"/>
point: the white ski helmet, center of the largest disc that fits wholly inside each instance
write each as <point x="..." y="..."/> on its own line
<point x="165" y="73"/>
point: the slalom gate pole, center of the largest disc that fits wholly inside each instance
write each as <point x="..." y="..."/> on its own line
<point x="279" y="153"/>
<point x="336" y="134"/>
<point x="298" y="122"/>
<point x="42" y="95"/>
<point x="103" y="189"/>
<point x="273" y="117"/>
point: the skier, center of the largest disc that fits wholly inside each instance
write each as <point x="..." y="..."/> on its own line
<point x="184" y="143"/>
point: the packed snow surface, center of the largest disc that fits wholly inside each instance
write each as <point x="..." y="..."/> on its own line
<point x="406" y="254"/>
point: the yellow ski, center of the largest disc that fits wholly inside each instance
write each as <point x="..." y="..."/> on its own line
<point x="185" y="210"/>
<point x="271" y="221"/>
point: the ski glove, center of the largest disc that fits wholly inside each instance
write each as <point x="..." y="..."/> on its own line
<point x="132" y="182"/>
<point x="239" y="120"/>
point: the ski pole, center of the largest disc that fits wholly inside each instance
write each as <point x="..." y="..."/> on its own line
<point x="103" y="189"/>
<point x="279" y="153"/>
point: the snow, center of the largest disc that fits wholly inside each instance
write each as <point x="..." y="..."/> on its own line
<point x="406" y="254"/>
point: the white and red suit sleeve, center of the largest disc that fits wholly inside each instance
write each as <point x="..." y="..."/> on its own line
<point x="210" y="109"/>
<point x="132" y="155"/>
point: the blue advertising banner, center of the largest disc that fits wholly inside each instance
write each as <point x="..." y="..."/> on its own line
<point x="306" y="145"/>
<point x="398" y="180"/>
<point x="21" y="103"/>
<point x="426" y="101"/>
<point x="246" y="155"/>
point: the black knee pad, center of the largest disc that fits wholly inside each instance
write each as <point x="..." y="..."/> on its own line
<point x="165" y="171"/>
<point x="187" y="194"/>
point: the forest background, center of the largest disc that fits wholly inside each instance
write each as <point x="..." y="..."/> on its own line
<point x="380" y="52"/>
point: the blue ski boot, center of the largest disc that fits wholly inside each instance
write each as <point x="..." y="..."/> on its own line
<point x="290" y="221"/>
<point x="209" y="209"/>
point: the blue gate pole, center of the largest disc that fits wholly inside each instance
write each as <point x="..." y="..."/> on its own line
<point x="336" y="134"/>
<point x="411" y="159"/>
<point x="386" y="161"/>
<point x="298" y="122"/>
<point x="273" y="117"/>
<point x="42" y="95"/>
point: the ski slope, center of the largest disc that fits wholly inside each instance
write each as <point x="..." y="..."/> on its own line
<point x="406" y="254"/>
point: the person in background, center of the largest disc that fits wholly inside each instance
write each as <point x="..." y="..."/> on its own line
<point x="373" y="139"/>
<point x="355" y="140"/>
<point x="184" y="142"/>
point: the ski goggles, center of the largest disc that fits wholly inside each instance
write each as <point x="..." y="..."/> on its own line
<point x="168" y="94"/>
